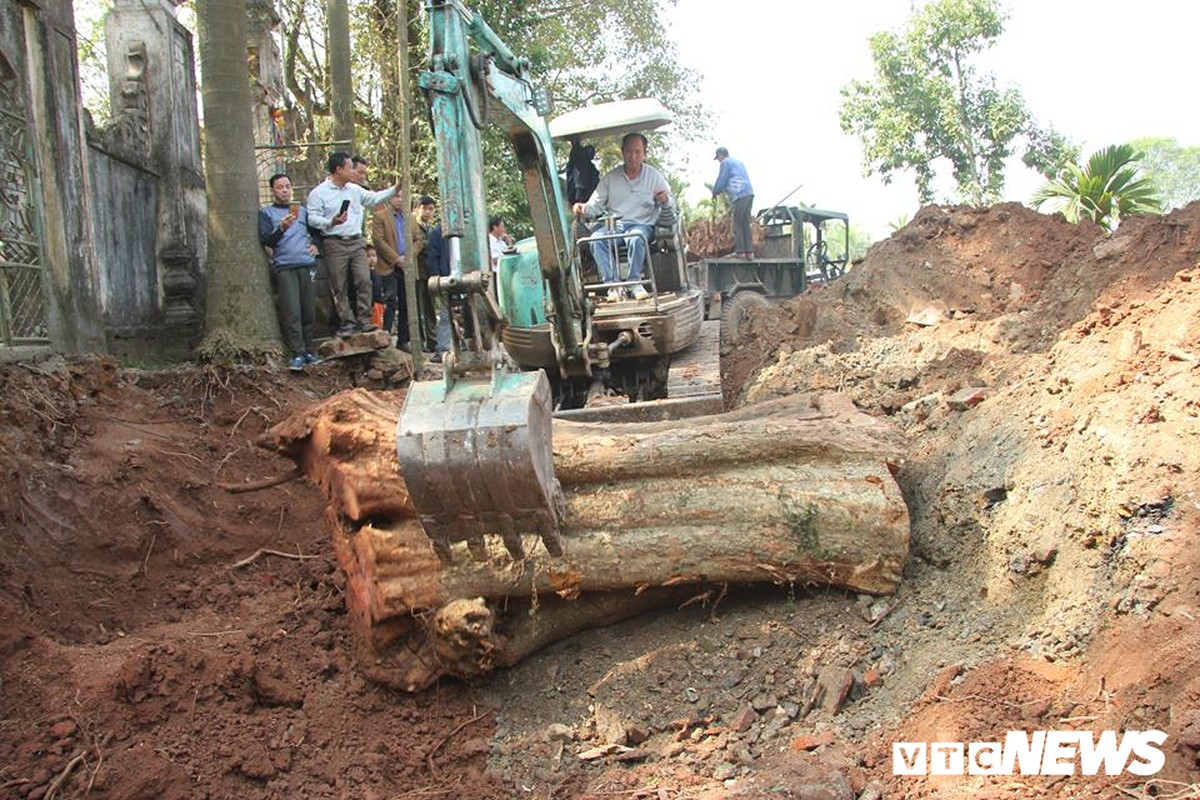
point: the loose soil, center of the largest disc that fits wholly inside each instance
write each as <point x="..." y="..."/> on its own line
<point x="165" y="635"/>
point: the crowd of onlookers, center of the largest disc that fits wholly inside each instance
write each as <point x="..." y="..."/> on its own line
<point x="369" y="283"/>
<point x="364" y="277"/>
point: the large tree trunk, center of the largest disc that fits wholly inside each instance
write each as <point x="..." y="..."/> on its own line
<point x="240" y="319"/>
<point x="790" y="492"/>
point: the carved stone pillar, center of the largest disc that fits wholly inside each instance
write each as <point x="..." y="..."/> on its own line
<point x="156" y="127"/>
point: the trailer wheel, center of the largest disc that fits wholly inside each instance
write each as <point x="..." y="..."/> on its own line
<point x="734" y="314"/>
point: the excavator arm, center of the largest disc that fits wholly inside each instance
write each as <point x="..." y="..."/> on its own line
<point x="470" y="89"/>
<point x="475" y="448"/>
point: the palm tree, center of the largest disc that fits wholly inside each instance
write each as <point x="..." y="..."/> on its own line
<point x="240" y="321"/>
<point x="1107" y="189"/>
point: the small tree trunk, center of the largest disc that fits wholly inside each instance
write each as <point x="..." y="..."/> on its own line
<point x="789" y="492"/>
<point x="337" y="14"/>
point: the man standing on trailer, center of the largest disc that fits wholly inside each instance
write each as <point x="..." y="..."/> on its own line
<point x="733" y="180"/>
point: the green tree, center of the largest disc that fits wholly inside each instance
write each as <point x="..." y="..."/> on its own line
<point x="1172" y="168"/>
<point x="709" y="208"/>
<point x="929" y="102"/>
<point x="92" y="54"/>
<point x="860" y="242"/>
<point x="239" y="320"/>
<point x="603" y="50"/>
<point x="1106" y="190"/>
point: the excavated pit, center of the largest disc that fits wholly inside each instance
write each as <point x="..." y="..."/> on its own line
<point x="162" y="636"/>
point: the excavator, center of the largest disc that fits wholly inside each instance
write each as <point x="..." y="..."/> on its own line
<point x="537" y="339"/>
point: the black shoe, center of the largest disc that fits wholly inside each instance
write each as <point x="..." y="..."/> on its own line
<point x="367" y="327"/>
<point x="436" y="358"/>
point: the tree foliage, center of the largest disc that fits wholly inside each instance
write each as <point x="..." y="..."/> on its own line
<point x="928" y="101"/>
<point x="602" y="50"/>
<point x="92" y="53"/>
<point x="1172" y="168"/>
<point x="1105" y="190"/>
<point x="581" y="52"/>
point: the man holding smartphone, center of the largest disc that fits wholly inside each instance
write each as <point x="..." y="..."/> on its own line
<point x="282" y="229"/>
<point x="335" y="208"/>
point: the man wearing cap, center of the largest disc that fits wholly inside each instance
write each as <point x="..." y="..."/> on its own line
<point x="733" y="180"/>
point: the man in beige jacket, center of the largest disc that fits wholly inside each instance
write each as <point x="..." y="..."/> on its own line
<point x="387" y="234"/>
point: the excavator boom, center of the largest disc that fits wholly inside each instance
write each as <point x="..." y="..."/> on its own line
<point x="475" y="448"/>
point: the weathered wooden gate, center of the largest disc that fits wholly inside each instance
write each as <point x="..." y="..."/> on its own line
<point x="23" y="305"/>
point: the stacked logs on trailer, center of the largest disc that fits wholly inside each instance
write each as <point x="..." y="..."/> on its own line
<point x="713" y="237"/>
<point x="795" y="492"/>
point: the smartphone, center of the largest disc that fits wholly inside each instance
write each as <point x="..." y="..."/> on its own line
<point x="345" y="208"/>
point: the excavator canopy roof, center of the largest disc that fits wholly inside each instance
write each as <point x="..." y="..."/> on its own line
<point x="611" y="119"/>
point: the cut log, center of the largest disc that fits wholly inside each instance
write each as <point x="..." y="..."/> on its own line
<point x="795" y="491"/>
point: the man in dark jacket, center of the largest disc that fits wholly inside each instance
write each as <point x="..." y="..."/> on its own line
<point x="437" y="256"/>
<point x="283" y="230"/>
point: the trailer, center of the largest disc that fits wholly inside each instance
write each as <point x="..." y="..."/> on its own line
<point x="795" y="253"/>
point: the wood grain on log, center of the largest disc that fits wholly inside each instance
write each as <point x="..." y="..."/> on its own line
<point x="795" y="491"/>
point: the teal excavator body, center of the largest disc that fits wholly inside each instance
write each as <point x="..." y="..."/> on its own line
<point x="476" y="447"/>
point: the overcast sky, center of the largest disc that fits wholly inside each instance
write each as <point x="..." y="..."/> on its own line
<point x="1101" y="72"/>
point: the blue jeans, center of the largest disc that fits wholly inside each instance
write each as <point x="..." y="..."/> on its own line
<point x="602" y="251"/>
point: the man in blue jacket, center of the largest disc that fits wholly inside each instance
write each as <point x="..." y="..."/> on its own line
<point x="283" y="229"/>
<point x="735" y="182"/>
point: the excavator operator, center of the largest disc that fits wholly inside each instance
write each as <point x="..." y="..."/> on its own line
<point x="637" y="194"/>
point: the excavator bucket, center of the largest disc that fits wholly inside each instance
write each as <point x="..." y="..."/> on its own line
<point x="477" y="458"/>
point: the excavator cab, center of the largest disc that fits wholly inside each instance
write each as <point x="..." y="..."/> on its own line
<point x="630" y="341"/>
<point x="583" y="128"/>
